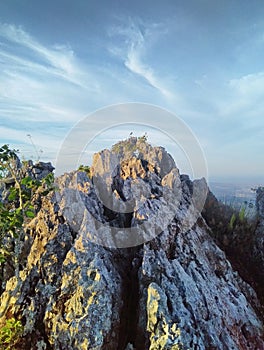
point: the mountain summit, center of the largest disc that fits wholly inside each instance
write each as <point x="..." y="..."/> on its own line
<point x="120" y="257"/>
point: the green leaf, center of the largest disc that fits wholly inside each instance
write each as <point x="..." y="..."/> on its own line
<point x="49" y="180"/>
<point x="26" y="181"/>
<point x="10" y="333"/>
<point x="29" y="214"/>
<point x="30" y="207"/>
<point x="2" y="258"/>
<point x="13" y="194"/>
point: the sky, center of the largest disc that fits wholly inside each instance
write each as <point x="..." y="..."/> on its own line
<point x="201" y="60"/>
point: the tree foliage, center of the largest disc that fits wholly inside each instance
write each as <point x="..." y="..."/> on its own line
<point x="16" y="205"/>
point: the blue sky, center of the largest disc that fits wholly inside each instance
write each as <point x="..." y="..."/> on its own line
<point x="202" y="60"/>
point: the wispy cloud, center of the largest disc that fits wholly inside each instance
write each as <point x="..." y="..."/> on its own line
<point x="135" y="40"/>
<point x="45" y="89"/>
<point x="40" y="91"/>
<point x="134" y="64"/>
<point x="58" y="60"/>
<point x="52" y="82"/>
<point x="250" y="85"/>
<point x="241" y="99"/>
<point x="40" y="82"/>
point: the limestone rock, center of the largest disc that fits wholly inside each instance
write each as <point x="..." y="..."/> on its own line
<point x="200" y="302"/>
<point x="78" y="289"/>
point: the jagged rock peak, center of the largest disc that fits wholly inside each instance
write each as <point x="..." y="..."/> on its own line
<point x="157" y="157"/>
<point x="77" y="289"/>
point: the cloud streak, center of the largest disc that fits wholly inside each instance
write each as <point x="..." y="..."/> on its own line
<point x="250" y="85"/>
<point x="134" y="64"/>
<point x="59" y="60"/>
<point x="136" y="38"/>
<point x="40" y="82"/>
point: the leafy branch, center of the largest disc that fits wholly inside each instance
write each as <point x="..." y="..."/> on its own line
<point x="16" y="205"/>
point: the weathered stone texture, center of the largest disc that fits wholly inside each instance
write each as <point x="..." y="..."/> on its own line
<point x="175" y="291"/>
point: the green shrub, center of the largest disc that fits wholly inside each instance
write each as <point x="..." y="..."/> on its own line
<point x="242" y="214"/>
<point x="10" y="333"/>
<point x="86" y="169"/>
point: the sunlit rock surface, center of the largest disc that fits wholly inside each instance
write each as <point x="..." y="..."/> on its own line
<point x="86" y="283"/>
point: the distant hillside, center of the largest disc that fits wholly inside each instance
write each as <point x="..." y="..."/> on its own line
<point x="236" y="195"/>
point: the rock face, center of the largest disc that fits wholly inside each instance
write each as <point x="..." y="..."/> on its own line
<point x="37" y="171"/>
<point x="88" y="284"/>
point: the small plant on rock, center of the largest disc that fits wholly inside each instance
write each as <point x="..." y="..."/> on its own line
<point x="10" y="333"/>
<point x="130" y="145"/>
<point x="86" y="169"/>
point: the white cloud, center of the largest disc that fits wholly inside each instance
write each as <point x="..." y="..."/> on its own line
<point x="38" y="82"/>
<point x="134" y="64"/>
<point x="242" y="98"/>
<point x="41" y="83"/>
<point x="136" y="40"/>
<point x="60" y="57"/>
<point x="26" y="97"/>
<point x="250" y="85"/>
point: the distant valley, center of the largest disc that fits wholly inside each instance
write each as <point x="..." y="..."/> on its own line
<point x="236" y="195"/>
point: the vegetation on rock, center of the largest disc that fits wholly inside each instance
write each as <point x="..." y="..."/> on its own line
<point x="86" y="169"/>
<point x="130" y="145"/>
<point x="10" y="334"/>
<point x="19" y="193"/>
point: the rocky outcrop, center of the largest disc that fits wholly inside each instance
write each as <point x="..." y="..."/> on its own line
<point x="36" y="171"/>
<point x="198" y="294"/>
<point x="124" y="260"/>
